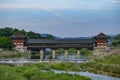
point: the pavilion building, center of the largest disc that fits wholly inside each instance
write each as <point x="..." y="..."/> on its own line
<point x="101" y="40"/>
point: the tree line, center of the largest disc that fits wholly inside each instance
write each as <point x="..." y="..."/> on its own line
<point x="7" y="32"/>
<point x="13" y="31"/>
<point x="116" y="41"/>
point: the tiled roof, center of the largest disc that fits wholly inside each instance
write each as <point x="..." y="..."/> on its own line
<point x="101" y="35"/>
<point x="60" y="41"/>
<point x="18" y="37"/>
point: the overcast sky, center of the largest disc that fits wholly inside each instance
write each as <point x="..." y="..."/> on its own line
<point x="63" y="18"/>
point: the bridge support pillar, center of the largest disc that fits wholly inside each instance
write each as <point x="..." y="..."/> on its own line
<point x="41" y="54"/>
<point x="29" y="54"/>
<point x="53" y="54"/>
<point x="78" y="54"/>
<point x="66" y="54"/>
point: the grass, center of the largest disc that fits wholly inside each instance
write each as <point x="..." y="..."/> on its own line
<point x="67" y="66"/>
<point x="111" y="59"/>
<point x="108" y="65"/>
<point x="35" y="72"/>
<point x="12" y="55"/>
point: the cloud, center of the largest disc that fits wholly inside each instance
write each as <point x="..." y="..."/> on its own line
<point x="53" y="12"/>
<point x="17" y="6"/>
<point x="57" y="4"/>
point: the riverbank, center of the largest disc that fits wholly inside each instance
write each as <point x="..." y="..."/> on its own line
<point x="13" y="55"/>
<point x="35" y="72"/>
<point x="108" y="65"/>
<point x="93" y="76"/>
<point x="45" y="71"/>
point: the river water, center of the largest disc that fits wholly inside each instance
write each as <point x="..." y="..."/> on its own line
<point x="88" y="74"/>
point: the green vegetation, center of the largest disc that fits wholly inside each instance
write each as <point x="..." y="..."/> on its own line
<point x="48" y="37"/>
<point x="67" y="66"/>
<point x="117" y="37"/>
<point x="9" y="73"/>
<point x="108" y="65"/>
<point x="72" y="50"/>
<point x="13" y="31"/>
<point x="35" y="72"/>
<point x="85" y="51"/>
<point x="12" y="55"/>
<point x="6" y="33"/>
<point x="6" y="43"/>
<point x="35" y="55"/>
<point x="60" y="50"/>
<point x="116" y="41"/>
<point x="113" y="59"/>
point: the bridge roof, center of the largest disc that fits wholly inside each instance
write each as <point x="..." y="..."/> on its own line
<point x="60" y="41"/>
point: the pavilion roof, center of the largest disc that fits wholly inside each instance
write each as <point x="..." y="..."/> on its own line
<point x="101" y="35"/>
<point x="18" y="37"/>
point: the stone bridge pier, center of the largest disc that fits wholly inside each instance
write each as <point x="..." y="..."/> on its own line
<point x="41" y="54"/>
<point x="54" y="54"/>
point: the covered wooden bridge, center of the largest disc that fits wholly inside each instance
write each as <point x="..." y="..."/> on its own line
<point x="53" y="44"/>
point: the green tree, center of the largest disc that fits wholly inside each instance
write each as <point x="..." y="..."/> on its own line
<point x="60" y="50"/>
<point x="33" y="35"/>
<point x="84" y="51"/>
<point x="15" y="31"/>
<point x="117" y="37"/>
<point x="5" y="31"/>
<point x="22" y="32"/>
<point x="6" y="43"/>
<point x="48" y="37"/>
<point x="116" y="43"/>
<point x="72" y="50"/>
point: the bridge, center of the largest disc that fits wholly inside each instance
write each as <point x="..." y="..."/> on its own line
<point x="60" y="43"/>
<point x="54" y="44"/>
<point x="22" y="43"/>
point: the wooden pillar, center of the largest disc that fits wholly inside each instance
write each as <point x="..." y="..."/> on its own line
<point x="53" y="54"/>
<point x="78" y="54"/>
<point x="66" y="53"/>
<point x="41" y="54"/>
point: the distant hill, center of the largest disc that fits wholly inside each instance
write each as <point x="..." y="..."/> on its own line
<point x="46" y="35"/>
<point x="78" y="38"/>
<point x="55" y="37"/>
<point x="112" y="35"/>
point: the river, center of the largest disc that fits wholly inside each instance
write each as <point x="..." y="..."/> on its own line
<point x="88" y="74"/>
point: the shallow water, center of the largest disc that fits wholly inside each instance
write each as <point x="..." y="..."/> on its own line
<point x="88" y="74"/>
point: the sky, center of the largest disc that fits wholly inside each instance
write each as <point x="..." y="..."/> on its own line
<point x="62" y="18"/>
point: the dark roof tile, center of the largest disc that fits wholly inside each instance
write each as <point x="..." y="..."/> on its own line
<point x="60" y="41"/>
